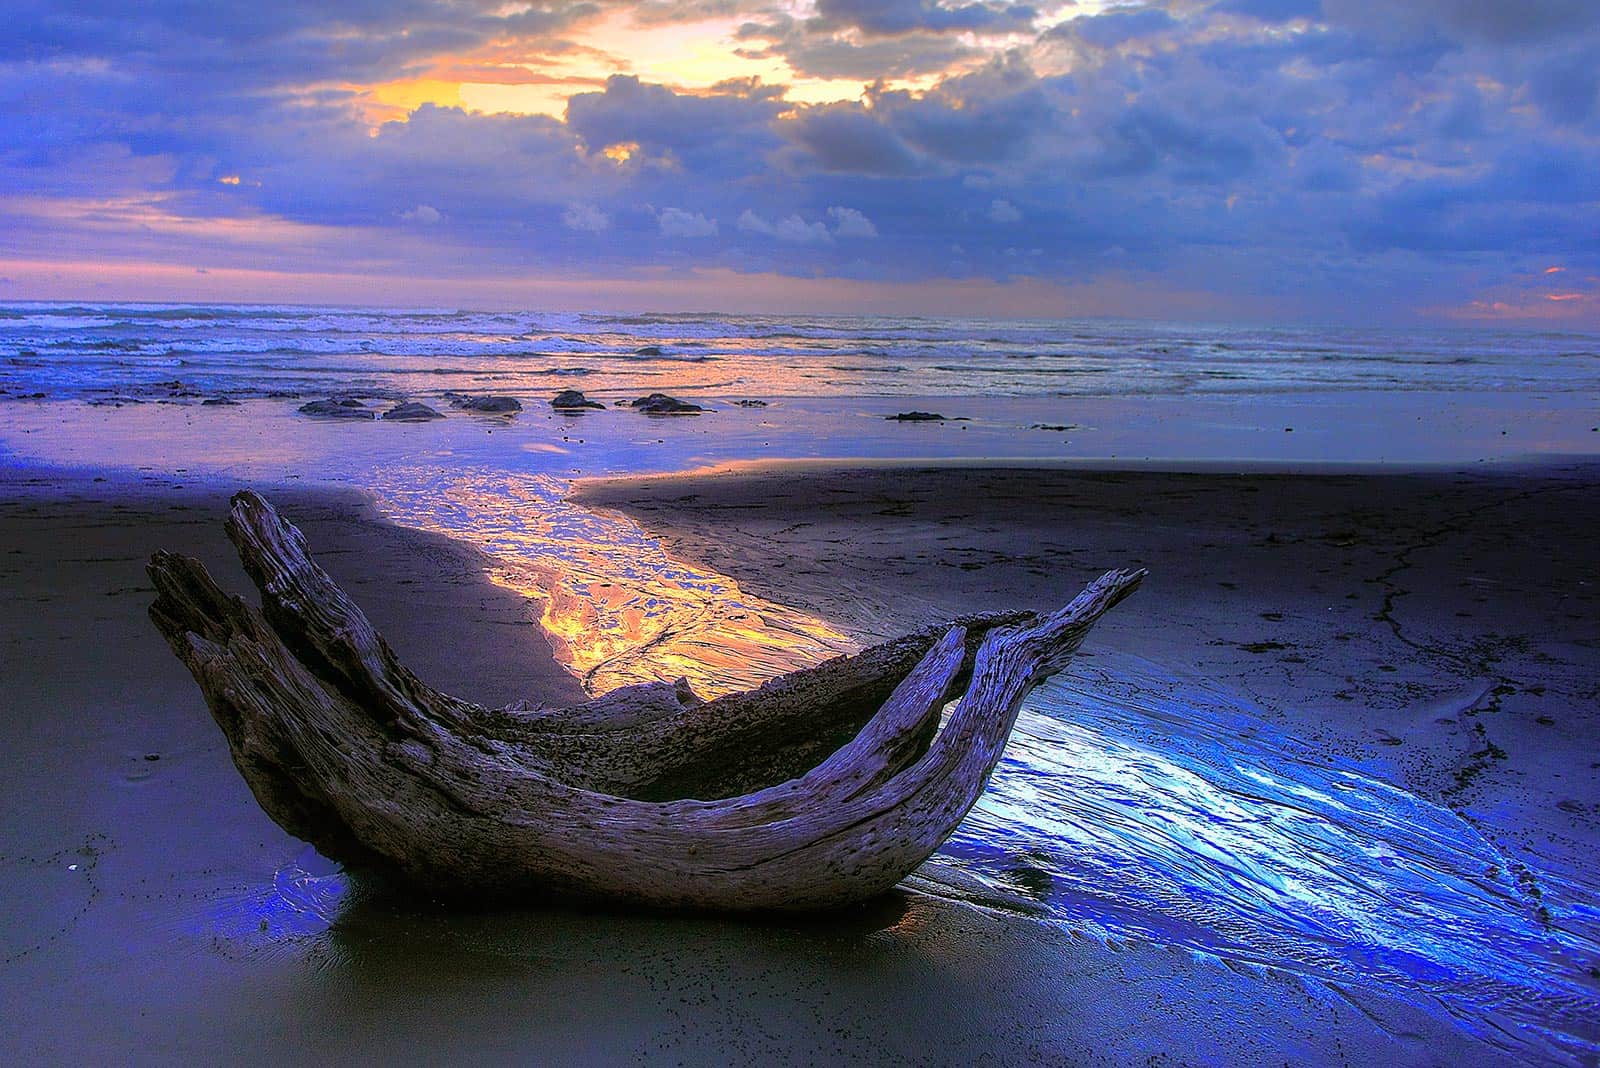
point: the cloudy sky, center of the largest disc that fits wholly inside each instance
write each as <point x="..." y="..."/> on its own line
<point x="1351" y="160"/>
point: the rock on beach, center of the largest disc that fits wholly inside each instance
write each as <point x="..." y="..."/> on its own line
<point x="337" y="408"/>
<point x="489" y="405"/>
<point x="572" y="400"/>
<point x="412" y="412"/>
<point x="661" y="404"/>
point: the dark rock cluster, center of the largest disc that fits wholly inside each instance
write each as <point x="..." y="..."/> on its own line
<point x="572" y="400"/>
<point x="412" y="412"/>
<point x="488" y="405"/>
<point x="661" y="404"/>
<point x="337" y="408"/>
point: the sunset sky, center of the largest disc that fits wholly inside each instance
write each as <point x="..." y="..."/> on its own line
<point x="1350" y="160"/>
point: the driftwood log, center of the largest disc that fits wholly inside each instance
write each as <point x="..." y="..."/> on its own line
<point x="821" y="787"/>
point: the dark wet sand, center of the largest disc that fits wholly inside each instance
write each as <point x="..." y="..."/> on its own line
<point x="1441" y="628"/>
<point x="169" y="940"/>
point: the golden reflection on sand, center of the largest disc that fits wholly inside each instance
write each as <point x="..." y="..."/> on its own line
<point x="617" y="608"/>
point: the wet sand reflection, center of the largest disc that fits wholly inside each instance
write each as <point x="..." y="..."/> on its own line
<point x="617" y="608"/>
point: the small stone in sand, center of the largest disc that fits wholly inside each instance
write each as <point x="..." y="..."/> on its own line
<point x="648" y="350"/>
<point x="412" y="412"/>
<point x="346" y="408"/>
<point x="573" y="400"/>
<point x="1054" y="426"/>
<point x="751" y="403"/>
<point x="220" y="402"/>
<point x="661" y="404"/>
<point x="916" y="417"/>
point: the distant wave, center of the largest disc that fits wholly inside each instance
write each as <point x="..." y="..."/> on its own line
<point x="68" y="349"/>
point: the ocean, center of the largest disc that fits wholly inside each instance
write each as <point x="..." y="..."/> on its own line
<point x="99" y="350"/>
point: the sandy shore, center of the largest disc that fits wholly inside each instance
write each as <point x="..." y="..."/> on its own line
<point x="152" y="912"/>
<point x="1440" y="628"/>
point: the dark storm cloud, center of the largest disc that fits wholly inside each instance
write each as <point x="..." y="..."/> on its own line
<point x="907" y="16"/>
<point x="874" y="39"/>
<point x="1491" y="21"/>
<point x="455" y="162"/>
<point x="1144" y="140"/>
<point x="981" y="118"/>
<point x="267" y="43"/>
<point x="1115" y="27"/>
<point x="730" y="130"/>
<point x="844" y="137"/>
<point x="1272" y="10"/>
<point x="1566" y="85"/>
<point x="820" y="54"/>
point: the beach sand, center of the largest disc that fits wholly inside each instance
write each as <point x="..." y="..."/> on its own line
<point x="1440" y="628"/>
<point x="153" y="913"/>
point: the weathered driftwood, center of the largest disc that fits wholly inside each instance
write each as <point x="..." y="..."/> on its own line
<point x="821" y="787"/>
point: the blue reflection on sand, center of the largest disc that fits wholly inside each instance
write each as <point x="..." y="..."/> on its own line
<point x="1135" y="804"/>
<point x="304" y="898"/>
